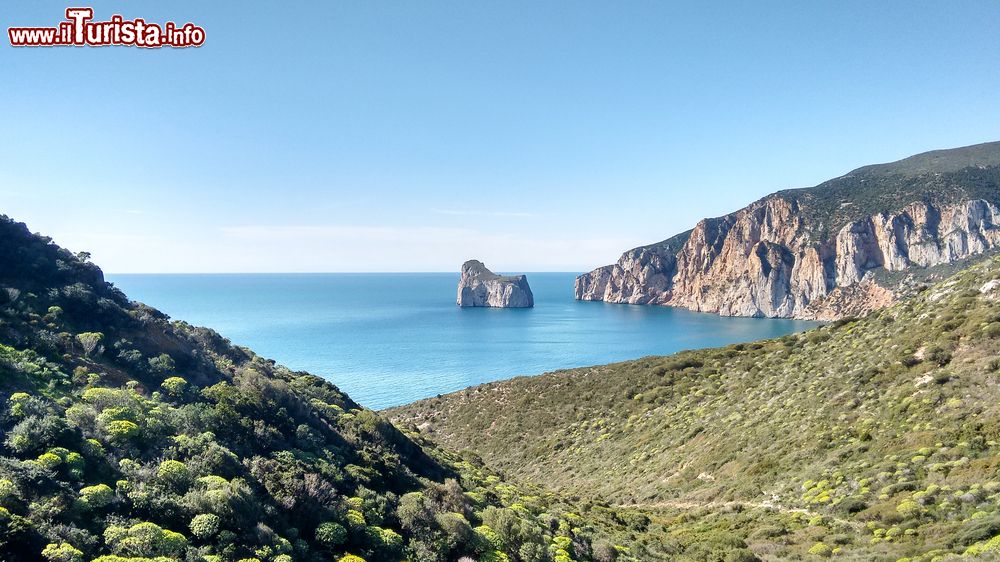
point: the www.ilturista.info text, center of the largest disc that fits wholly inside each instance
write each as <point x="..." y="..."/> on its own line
<point x="79" y="30"/>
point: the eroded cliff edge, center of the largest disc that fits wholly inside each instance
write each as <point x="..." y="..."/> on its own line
<point x="843" y="248"/>
<point x="481" y="287"/>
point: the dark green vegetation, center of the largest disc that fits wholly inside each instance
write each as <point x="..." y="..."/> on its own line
<point x="128" y="437"/>
<point x="941" y="177"/>
<point x="872" y="439"/>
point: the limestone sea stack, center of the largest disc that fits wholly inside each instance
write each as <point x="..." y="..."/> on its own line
<point x="481" y="287"/>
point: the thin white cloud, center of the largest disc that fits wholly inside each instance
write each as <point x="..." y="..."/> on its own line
<point x="468" y="213"/>
<point x="391" y="248"/>
<point x="380" y="233"/>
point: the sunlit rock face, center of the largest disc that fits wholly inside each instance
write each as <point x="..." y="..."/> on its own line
<point x="820" y="253"/>
<point x="481" y="287"/>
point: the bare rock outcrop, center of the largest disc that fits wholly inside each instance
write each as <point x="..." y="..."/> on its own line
<point x="816" y="253"/>
<point x="481" y="287"/>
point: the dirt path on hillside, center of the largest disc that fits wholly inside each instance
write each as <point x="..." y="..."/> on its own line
<point x="687" y="504"/>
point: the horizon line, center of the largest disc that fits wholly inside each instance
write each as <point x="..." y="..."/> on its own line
<point x="316" y="272"/>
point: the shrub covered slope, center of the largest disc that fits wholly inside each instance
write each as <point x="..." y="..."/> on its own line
<point x="874" y="439"/>
<point x="128" y="437"/>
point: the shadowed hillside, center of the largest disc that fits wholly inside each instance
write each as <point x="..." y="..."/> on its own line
<point x="128" y="438"/>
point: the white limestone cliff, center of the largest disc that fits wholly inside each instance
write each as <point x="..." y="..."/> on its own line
<point x="481" y="287"/>
<point x="765" y="261"/>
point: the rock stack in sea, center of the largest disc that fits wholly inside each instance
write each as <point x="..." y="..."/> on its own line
<point x="481" y="287"/>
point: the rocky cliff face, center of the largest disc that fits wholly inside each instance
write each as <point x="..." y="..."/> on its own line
<point x="815" y="254"/>
<point x="481" y="287"/>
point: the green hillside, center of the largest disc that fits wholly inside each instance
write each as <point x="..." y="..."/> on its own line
<point x="946" y="176"/>
<point x="128" y="437"/>
<point x="875" y="439"/>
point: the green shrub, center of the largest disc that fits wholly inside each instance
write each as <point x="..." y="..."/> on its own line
<point x="49" y="460"/>
<point x="204" y="525"/>
<point x="821" y="549"/>
<point x="62" y="552"/>
<point x="89" y="341"/>
<point x="991" y="546"/>
<point x="97" y="496"/>
<point x="174" y="473"/>
<point x="487" y="539"/>
<point x="938" y="355"/>
<point x="174" y="386"/>
<point x="75" y="464"/>
<point x="741" y="556"/>
<point x="391" y="541"/>
<point x="908" y="509"/>
<point x="144" y="539"/>
<point x="355" y="518"/>
<point x="331" y="534"/>
<point x="977" y="530"/>
<point x="455" y="527"/>
<point x="121" y="430"/>
<point x="852" y="505"/>
<point x="494" y="556"/>
<point x="161" y="364"/>
<point x="17" y="402"/>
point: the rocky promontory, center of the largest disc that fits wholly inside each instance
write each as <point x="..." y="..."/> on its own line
<point x="843" y="248"/>
<point x="481" y="287"/>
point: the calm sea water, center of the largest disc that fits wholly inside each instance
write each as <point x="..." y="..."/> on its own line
<point x="388" y="339"/>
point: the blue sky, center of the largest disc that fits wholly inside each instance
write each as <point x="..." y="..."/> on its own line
<point x="410" y="136"/>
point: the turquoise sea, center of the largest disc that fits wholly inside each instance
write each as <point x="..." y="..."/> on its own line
<point x="388" y="339"/>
